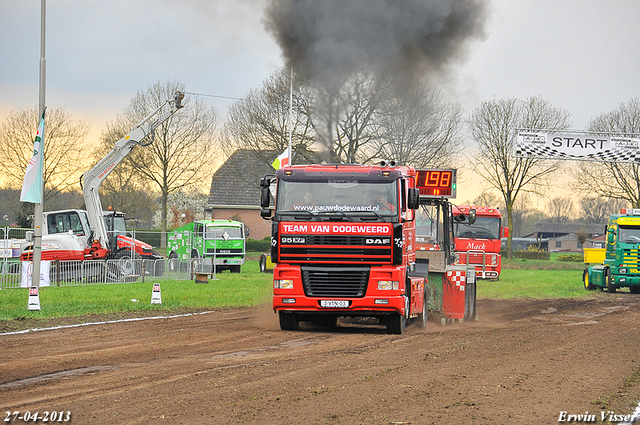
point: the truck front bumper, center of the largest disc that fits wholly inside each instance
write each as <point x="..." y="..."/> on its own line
<point x="625" y="280"/>
<point x="367" y="306"/>
<point x="372" y="301"/>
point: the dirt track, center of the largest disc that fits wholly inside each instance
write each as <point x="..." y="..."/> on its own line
<point x="523" y="362"/>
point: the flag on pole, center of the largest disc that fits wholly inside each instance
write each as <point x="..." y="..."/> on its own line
<point x="32" y="186"/>
<point x="282" y="160"/>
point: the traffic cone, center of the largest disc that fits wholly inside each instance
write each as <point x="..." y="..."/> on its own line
<point x="34" y="299"/>
<point x="156" y="297"/>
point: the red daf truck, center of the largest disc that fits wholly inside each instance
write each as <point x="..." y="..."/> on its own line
<point x="478" y="243"/>
<point x="343" y="244"/>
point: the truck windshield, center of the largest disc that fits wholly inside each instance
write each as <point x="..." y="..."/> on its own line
<point x="217" y="232"/>
<point x="629" y="234"/>
<point x="338" y="196"/>
<point x="64" y="221"/>
<point x="119" y="224"/>
<point x="483" y="228"/>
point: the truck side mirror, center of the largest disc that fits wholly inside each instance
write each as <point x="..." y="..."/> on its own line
<point x="472" y="216"/>
<point x="504" y="232"/>
<point x="265" y="213"/>
<point x="265" y="197"/>
<point x="611" y="235"/>
<point x="413" y="203"/>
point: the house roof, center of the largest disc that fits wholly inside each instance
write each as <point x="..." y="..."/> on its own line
<point x="237" y="181"/>
<point x="550" y="229"/>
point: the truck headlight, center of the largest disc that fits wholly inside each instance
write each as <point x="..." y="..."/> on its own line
<point x="622" y="271"/>
<point x="283" y="284"/>
<point x="388" y="285"/>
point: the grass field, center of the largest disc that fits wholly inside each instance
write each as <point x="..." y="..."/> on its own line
<point x="519" y="279"/>
<point x="230" y="290"/>
<point x="536" y="279"/>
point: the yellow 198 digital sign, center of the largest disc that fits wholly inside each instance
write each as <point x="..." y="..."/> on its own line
<point x="438" y="183"/>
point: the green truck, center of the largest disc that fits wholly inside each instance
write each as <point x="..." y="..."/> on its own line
<point x="211" y="243"/>
<point x="620" y="260"/>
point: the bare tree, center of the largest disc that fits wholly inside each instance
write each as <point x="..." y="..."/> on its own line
<point x="488" y="199"/>
<point x="418" y="126"/>
<point x="260" y="121"/>
<point x="610" y="179"/>
<point x="354" y="119"/>
<point x="494" y="128"/>
<point x="560" y="209"/>
<point x="182" y="148"/>
<point x="356" y="127"/>
<point x="190" y="204"/>
<point x="65" y="144"/>
<point x="597" y="209"/>
<point x="519" y="214"/>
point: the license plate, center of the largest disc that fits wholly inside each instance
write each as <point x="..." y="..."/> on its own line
<point x="334" y="303"/>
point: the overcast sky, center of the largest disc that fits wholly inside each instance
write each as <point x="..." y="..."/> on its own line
<point x="581" y="55"/>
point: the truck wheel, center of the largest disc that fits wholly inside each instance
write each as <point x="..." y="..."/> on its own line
<point x="128" y="264"/>
<point x="396" y="323"/>
<point x="234" y="269"/>
<point x="288" y="321"/>
<point x="587" y="284"/>
<point x="634" y="289"/>
<point x="422" y="317"/>
<point x="611" y="288"/>
<point x="174" y="263"/>
<point x="470" y="302"/>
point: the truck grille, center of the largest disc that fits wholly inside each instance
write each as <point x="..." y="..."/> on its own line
<point x="631" y="257"/>
<point x="332" y="282"/>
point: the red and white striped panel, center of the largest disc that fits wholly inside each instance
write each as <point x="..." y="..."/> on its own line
<point x="457" y="277"/>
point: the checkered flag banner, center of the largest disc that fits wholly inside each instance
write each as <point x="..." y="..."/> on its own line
<point x="577" y="146"/>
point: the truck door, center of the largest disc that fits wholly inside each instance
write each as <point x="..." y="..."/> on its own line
<point x="198" y="238"/>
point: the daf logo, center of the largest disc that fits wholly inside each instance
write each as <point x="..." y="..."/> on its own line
<point x="377" y="241"/>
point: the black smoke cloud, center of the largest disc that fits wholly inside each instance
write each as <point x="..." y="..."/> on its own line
<point x="329" y="37"/>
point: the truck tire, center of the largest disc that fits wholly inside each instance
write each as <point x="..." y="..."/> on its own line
<point x="611" y="288"/>
<point x="288" y="321"/>
<point x="470" y="302"/>
<point x="127" y="263"/>
<point x="634" y="289"/>
<point x="585" y="279"/>
<point x="422" y="317"/>
<point x="396" y="323"/>
<point x="174" y="263"/>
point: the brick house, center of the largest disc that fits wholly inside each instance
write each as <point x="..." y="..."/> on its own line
<point x="235" y="190"/>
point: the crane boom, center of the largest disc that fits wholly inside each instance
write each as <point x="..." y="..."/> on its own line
<point x="94" y="177"/>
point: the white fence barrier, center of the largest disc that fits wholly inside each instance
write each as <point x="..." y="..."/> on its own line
<point x="123" y="270"/>
<point x="120" y="270"/>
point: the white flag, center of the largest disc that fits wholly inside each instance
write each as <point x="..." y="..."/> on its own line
<point x="282" y="160"/>
<point x="32" y="186"/>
